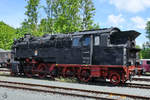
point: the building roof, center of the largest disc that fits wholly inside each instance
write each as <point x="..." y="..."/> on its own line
<point x="145" y="59"/>
<point x="2" y="50"/>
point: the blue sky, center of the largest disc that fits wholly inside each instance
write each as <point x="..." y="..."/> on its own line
<point x="125" y="14"/>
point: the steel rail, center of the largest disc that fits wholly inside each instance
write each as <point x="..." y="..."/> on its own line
<point x="1" y="70"/>
<point x="131" y="85"/>
<point x="136" y="85"/>
<point x="141" y="79"/>
<point x="56" y="92"/>
<point x="80" y="90"/>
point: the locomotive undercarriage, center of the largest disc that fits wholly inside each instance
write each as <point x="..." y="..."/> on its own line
<point x="115" y="73"/>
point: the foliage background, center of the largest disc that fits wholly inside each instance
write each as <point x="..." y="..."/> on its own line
<point x="63" y="16"/>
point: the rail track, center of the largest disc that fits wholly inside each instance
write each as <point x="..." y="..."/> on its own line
<point x="142" y="79"/>
<point x="2" y="70"/>
<point x="136" y="85"/>
<point x="130" y="85"/>
<point x="70" y="91"/>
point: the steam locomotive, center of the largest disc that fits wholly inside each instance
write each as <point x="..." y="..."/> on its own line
<point x="107" y="53"/>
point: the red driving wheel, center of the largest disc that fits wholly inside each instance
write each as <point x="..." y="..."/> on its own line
<point x="42" y="70"/>
<point x="115" y="78"/>
<point x="84" y="75"/>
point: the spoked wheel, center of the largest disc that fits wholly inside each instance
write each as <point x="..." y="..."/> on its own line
<point x="28" y="71"/>
<point x="84" y="75"/>
<point x="115" y="78"/>
<point x="42" y="70"/>
<point x="69" y="72"/>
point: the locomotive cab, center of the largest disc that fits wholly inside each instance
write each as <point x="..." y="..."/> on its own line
<point x="107" y="48"/>
<point x="89" y="46"/>
<point x="127" y="40"/>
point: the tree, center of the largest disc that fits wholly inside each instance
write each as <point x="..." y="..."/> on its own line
<point x="139" y="53"/>
<point x="32" y="15"/>
<point x="63" y="16"/>
<point x="148" y="30"/>
<point x="66" y="16"/>
<point x="145" y="52"/>
<point x="7" y="34"/>
<point x="87" y="12"/>
<point x="49" y="8"/>
<point x="43" y="26"/>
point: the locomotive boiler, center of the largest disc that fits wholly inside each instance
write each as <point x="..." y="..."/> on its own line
<point x="103" y="53"/>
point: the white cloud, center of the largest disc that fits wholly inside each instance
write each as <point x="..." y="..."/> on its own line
<point x="148" y="19"/>
<point x="115" y="20"/>
<point x="131" y="5"/>
<point x="136" y="22"/>
<point x="139" y="22"/>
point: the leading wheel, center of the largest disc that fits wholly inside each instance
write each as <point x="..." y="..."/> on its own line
<point x="115" y="78"/>
<point x="42" y="70"/>
<point x="84" y="75"/>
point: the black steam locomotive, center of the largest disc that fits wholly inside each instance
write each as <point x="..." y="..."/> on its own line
<point x="110" y="49"/>
<point x="96" y="47"/>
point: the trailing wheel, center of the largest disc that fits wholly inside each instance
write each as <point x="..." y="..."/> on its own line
<point x="42" y="70"/>
<point x="115" y="78"/>
<point x="84" y="75"/>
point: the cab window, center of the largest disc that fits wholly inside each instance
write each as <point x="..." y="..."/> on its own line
<point x="86" y="41"/>
<point x="148" y="62"/>
<point x="76" y="42"/>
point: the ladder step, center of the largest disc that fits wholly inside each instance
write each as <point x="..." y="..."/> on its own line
<point x="85" y="62"/>
<point x="86" y="52"/>
<point x="88" y="58"/>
